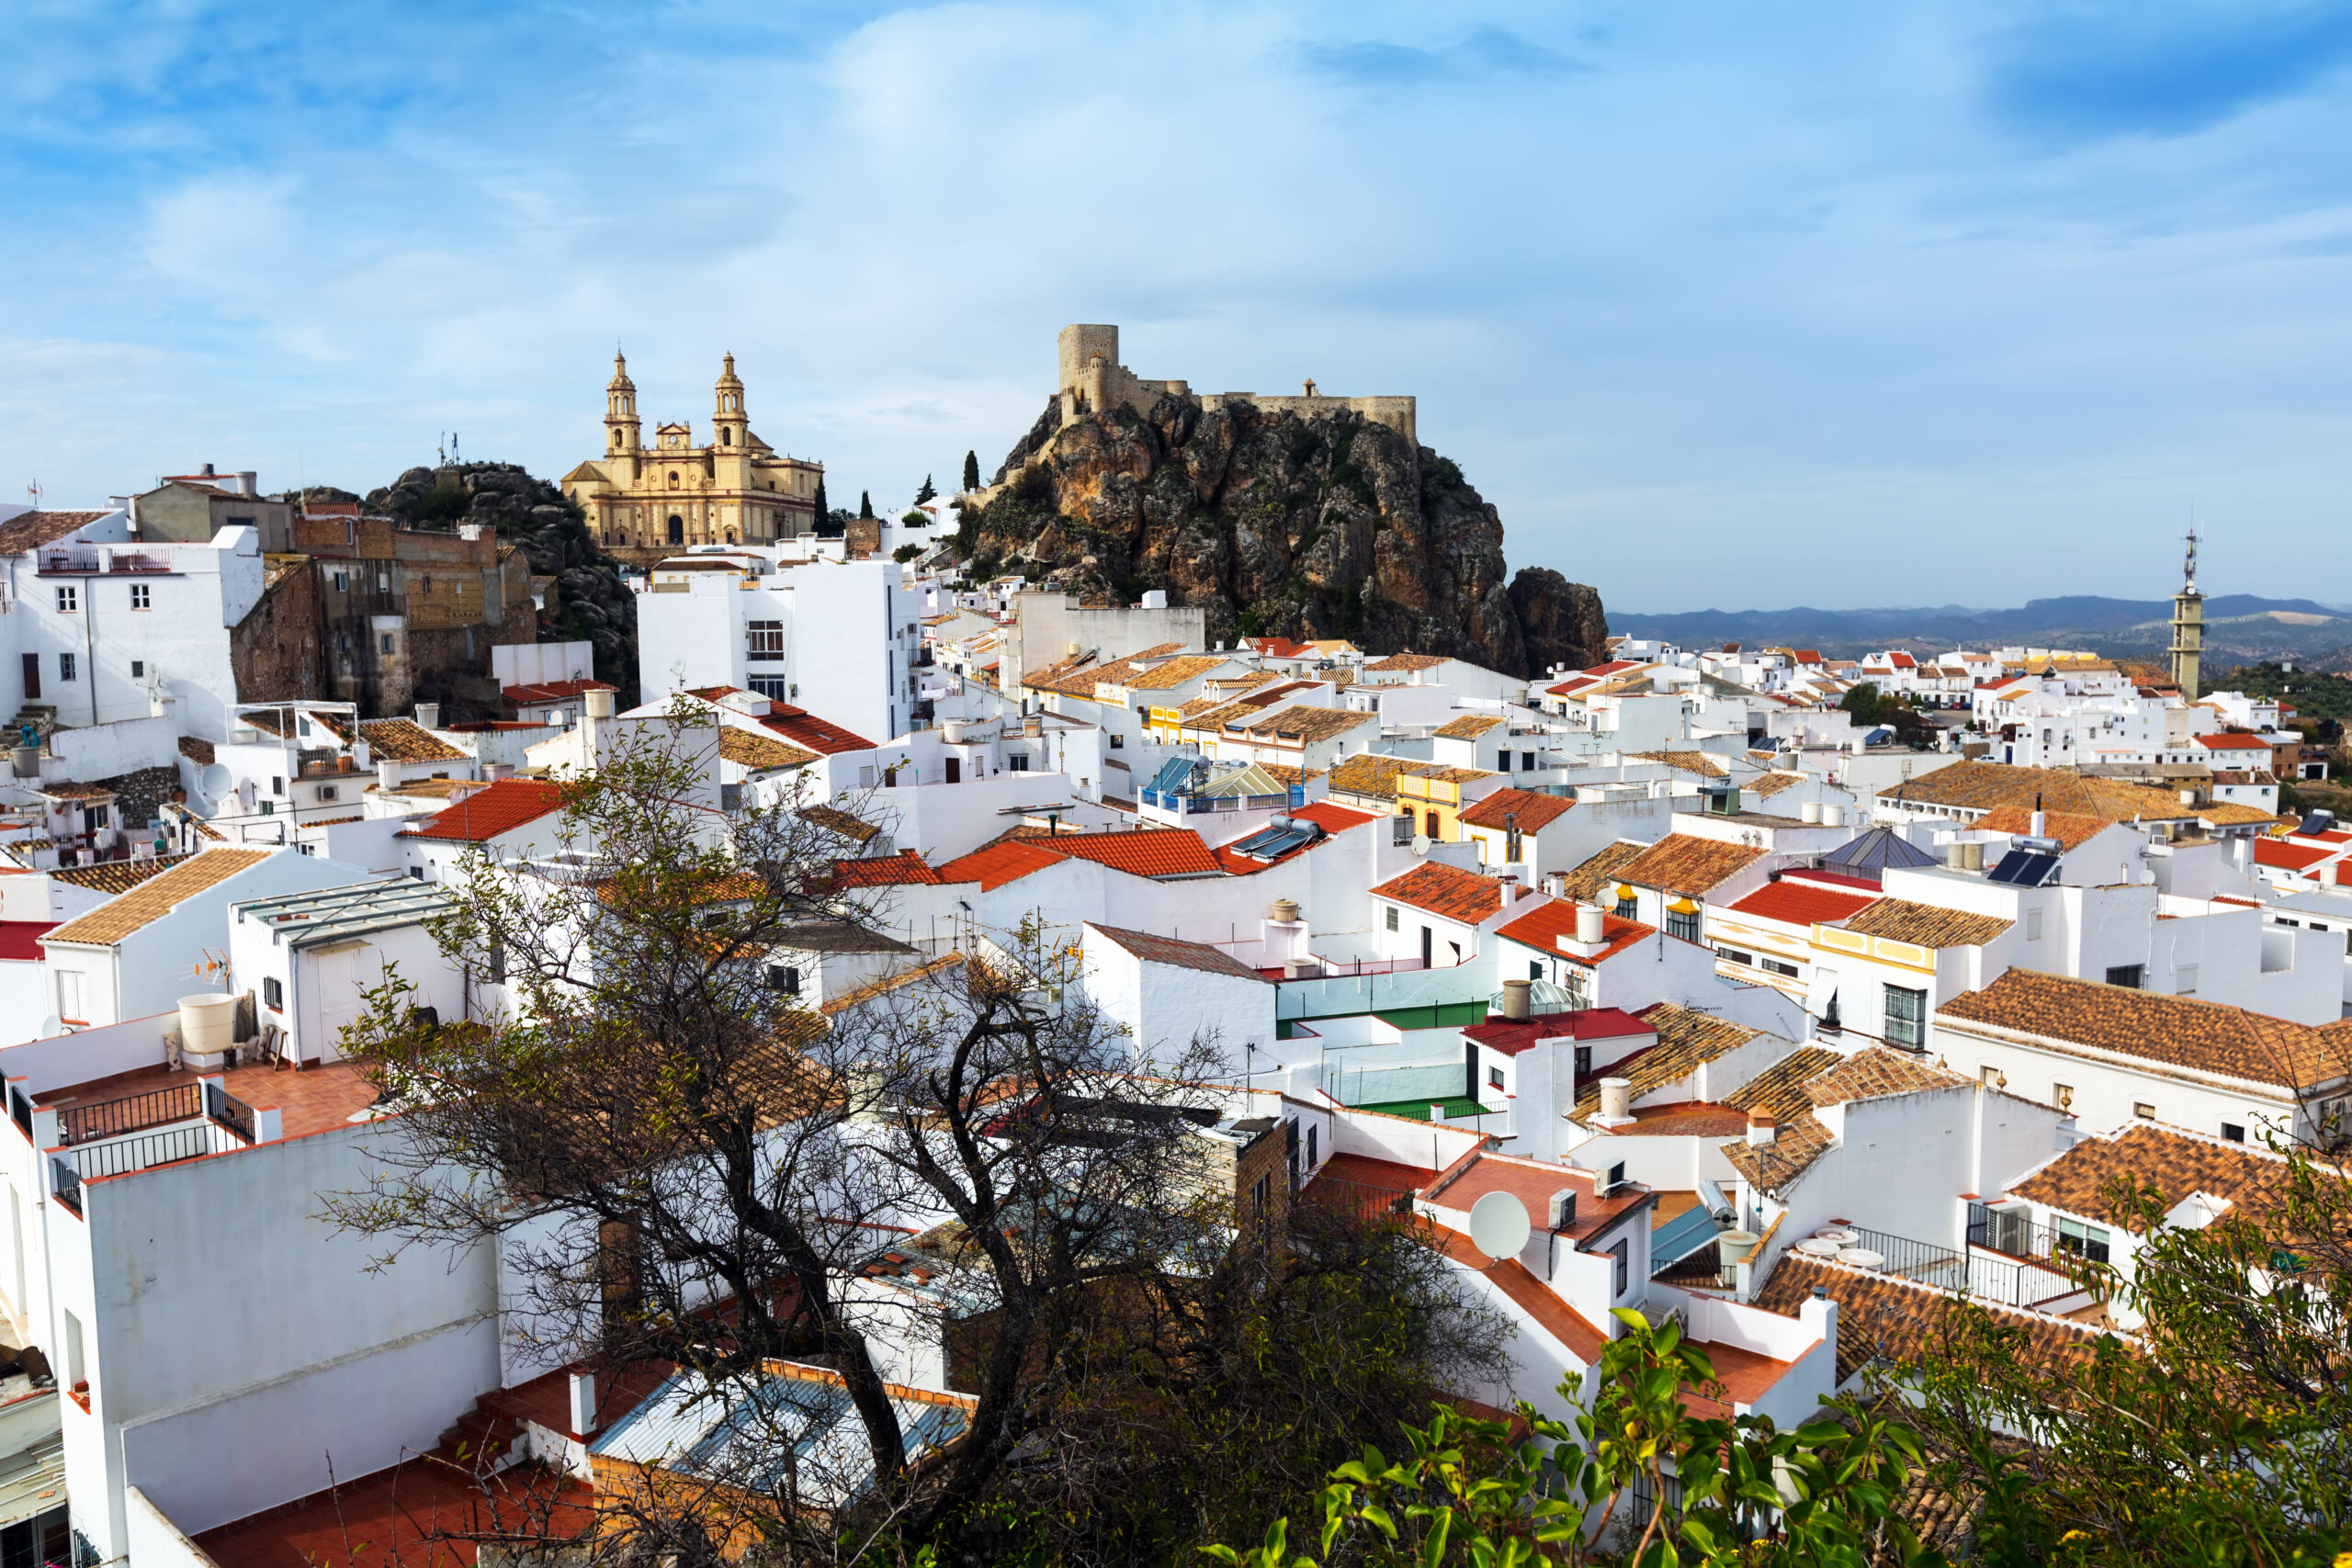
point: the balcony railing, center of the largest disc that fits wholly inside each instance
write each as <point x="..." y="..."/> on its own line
<point x="2012" y="1231"/>
<point x="130" y="1113"/>
<point x="67" y="1181"/>
<point x="91" y="563"/>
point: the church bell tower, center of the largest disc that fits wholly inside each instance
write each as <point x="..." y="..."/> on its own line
<point x="730" y="426"/>
<point x="620" y="411"/>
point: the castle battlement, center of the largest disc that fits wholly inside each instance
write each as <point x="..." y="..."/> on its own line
<point x="1092" y="380"/>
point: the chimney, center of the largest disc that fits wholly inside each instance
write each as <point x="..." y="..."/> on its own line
<point x="583" y="1404"/>
<point x="2041" y="822"/>
<point x="1515" y="1003"/>
<point x="597" y="703"/>
<point x="429" y="714"/>
<point x="362" y="754"/>
<point x="1762" y="1129"/>
<point x="1616" y="1103"/>
<point x="387" y="775"/>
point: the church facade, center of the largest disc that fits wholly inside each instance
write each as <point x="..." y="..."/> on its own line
<point x="736" y="491"/>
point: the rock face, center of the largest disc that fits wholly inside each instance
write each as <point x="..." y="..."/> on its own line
<point x="592" y="605"/>
<point x="1278" y="526"/>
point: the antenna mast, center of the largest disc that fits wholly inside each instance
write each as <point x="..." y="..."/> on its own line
<point x="2188" y="570"/>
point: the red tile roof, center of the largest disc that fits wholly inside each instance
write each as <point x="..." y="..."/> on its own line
<point x="504" y="805"/>
<point x="2234" y="742"/>
<point x="2289" y="857"/>
<point x="803" y="727"/>
<point x="905" y="869"/>
<point x="1147" y="851"/>
<point x="1333" y="818"/>
<point x="1551" y="919"/>
<point x="1445" y="890"/>
<point x="1511" y="1036"/>
<point x="1801" y="904"/>
<point x="1527" y="1292"/>
<point x="1533" y="810"/>
<point x="993" y="865"/>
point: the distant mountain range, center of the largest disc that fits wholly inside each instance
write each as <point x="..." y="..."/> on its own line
<point x="2239" y="628"/>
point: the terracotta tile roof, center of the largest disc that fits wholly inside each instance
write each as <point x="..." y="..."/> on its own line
<point x="1301" y="722"/>
<point x="485" y="814"/>
<point x="156" y="896"/>
<point x="2234" y="742"/>
<point x="1333" y="818"/>
<point x="993" y="865"/>
<point x="1767" y="785"/>
<point x="1803" y="903"/>
<point x="1444" y="890"/>
<point x="1683" y="862"/>
<point x="1780" y="1092"/>
<point x="30" y="530"/>
<point x="113" y="876"/>
<point x="197" y="750"/>
<point x="1181" y="954"/>
<point x="1687" y="1041"/>
<point x="1706" y="764"/>
<point x="1886" y="1318"/>
<point x="1984" y="785"/>
<point x="2290" y="857"/>
<point x="405" y="740"/>
<point x="1587" y="881"/>
<point x="1548" y="920"/>
<point x="760" y="752"/>
<point x="2179" y="1032"/>
<point x="1926" y="925"/>
<point x="2229" y="814"/>
<point x="1527" y="1292"/>
<point x="1146" y="851"/>
<point x="553" y="691"/>
<point x="1402" y="662"/>
<point x="1533" y="810"/>
<point x="69" y="789"/>
<point x="1469" y="727"/>
<point x="2070" y="828"/>
<point x="1877" y="1073"/>
<point x="1437" y="775"/>
<point x="1367" y="773"/>
<point x="2175" y="1163"/>
<point x="905" y="869"/>
<point x="834" y="819"/>
<point x="1171" y="674"/>
<point x="805" y="728"/>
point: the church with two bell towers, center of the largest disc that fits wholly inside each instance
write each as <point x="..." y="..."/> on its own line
<point x="644" y="501"/>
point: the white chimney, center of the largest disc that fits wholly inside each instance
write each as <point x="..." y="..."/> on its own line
<point x="2040" y="824"/>
<point x="1616" y="1103"/>
<point x="362" y="754"/>
<point x="387" y="775"/>
<point x="583" y="1404"/>
<point x="1762" y="1130"/>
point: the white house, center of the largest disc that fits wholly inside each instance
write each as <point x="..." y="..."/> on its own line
<point x="1168" y="993"/>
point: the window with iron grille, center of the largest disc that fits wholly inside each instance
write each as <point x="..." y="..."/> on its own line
<point x="1907" y="1014"/>
<point x="766" y="639"/>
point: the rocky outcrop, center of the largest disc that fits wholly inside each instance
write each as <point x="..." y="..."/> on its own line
<point x="592" y="605"/>
<point x="1333" y="526"/>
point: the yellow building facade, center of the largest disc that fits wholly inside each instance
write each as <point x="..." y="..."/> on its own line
<point x="736" y="491"/>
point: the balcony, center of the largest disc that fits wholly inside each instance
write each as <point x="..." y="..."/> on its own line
<point x="100" y="563"/>
<point x="137" y="1132"/>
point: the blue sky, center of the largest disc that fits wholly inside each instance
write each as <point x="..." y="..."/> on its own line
<point x="1720" y="304"/>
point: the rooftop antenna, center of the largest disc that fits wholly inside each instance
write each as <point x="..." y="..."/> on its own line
<point x="443" y="450"/>
<point x="2189" y="569"/>
<point x="453" y="449"/>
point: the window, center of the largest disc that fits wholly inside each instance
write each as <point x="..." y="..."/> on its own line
<point x="2232" y="1133"/>
<point x="1310" y="1147"/>
<point x="69" y="993"/>
<point x="1400" y="828"/>
<point x="1435" y="828"/>
<point x="69" y="599"/>
<point x="138" y="668"/>
<point x="2184" y="980"/>
<point x="67" y="669"/>
<point x="1584" y="1063"/>
<point x="278" y="786"/>
<point x="1502" y="762"/>
<point x="1495" y="1081"/>
<point x="1535" y="969"/>
<point x="785" y="978"/>
<point x="2143" y="1110"/>
<point x="1907" y="1014"/>
<point x="1774" y="965"/>
<point x="2085" y="1242"/>
<point x="768" y="640"/>
<point x="141" y="597"/>
<point x="1392" y="916"/>
<point x="2125" y="975"/>
<point x="1621" y="1263"/>
<point x="1527" y="762"/>
<point x="1627" y="909"/>
<point x="770" y="687"/>
<point x="1734" y="955"/>
<point x="1683" y="923"/>
<point x="495" y="971"/>
<point x="384" y="643"/>
<point x="2061" y="1095"/>
<point x="342" y="583"/>
<point x="1261" y="1194"/>
<point x="273" y="994"/>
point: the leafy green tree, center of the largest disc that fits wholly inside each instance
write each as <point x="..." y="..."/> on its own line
<point x="2221" y="1433"/>
<point x="1600" y="1489"/>
<point x="1866" y="702"/>
<point x="927" y="492"/>
<point x="971" y="470"/>
<point x="906" y="553"/>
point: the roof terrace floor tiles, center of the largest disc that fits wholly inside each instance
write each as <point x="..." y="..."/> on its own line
<point x="413" y="1515"/>
<point x="312" y="1101"/>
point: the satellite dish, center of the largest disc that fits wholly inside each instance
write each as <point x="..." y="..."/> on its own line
<point x="1420" y="843"/>
<point x="51" y="1028"/>
<point x="213" y="779"/>
<point x="1498" y="1225"/>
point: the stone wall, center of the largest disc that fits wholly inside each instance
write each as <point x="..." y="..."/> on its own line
<point x="1093" y="381"/>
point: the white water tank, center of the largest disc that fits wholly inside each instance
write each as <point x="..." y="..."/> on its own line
<point x="1809" y="812"/>
<point x="951" y="730"/>
<point x="208" y="1024"/>
<point x="1813" y="1246"/>
<point x="1833" y="816"/>
<point x="1616" y="1100"/>
<point x="1588" y="923"/>
<point x="1862" y="1257"/>
<point x="1732" y="1247"/>
<point x="597" y="703"/>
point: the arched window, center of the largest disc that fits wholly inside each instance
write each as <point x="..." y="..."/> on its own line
<point x="617" y="437"/>
<point x="677" y="529"/>
<point x="674" y="478"/>
<point x="730" y="536"/>
<point x="727" y="438"/>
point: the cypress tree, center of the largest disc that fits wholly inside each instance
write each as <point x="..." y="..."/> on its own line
<point x="971" y="470"/>
<point x="927" y="492"/>
<point x="865" y="504"/>
<point x="823" y="511"/>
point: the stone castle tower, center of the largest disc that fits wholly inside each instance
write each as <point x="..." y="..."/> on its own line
<point x="1092" y="380"/>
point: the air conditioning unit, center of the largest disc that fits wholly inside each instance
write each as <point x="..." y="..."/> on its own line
<point x="1606" y="1182"/>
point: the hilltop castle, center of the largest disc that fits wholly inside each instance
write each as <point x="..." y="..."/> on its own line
<point x="1092" y="380"/>
<point x="736" y="491"/>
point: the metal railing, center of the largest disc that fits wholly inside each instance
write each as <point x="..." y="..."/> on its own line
<point x="67" y="1181"/>
<point x="2013" y="1232"/>
<point x="129" y="1113"/>
<point x="226" y="1108"/>
<point x="143" y="1152"/>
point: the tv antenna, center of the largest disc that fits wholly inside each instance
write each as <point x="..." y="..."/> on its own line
<point x="33" y="489"/>
<point x="2188" y="567"/>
